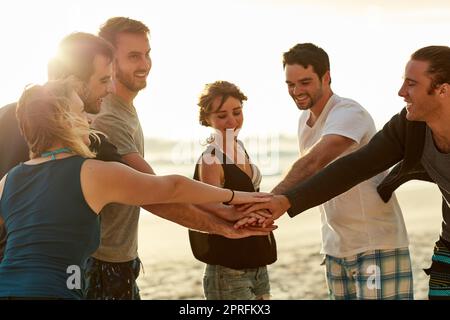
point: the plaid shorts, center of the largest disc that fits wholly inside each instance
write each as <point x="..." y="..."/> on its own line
<point x="371" y="275"/>
<point x="111" y="281"/>
<point x="439" y="272"/>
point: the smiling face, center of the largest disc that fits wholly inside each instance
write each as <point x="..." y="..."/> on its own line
<point x="133" y="63"/>
<point x="421" y="99"/>
<point x="98" y="85"/>
<point x="229" y="116"/>
<point x="304" y="85"/>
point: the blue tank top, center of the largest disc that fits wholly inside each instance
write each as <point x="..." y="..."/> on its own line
<point x="50" y="228"/>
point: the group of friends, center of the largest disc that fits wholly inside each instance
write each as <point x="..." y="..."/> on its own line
<point x="74" y="178"/>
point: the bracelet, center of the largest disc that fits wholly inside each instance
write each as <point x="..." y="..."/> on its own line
<point x="232" y="197"/>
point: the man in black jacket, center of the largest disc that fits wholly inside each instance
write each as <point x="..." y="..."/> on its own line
<point x="417" y="141"/>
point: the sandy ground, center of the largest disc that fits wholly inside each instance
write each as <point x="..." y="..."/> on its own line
<point x="171" y="271"/>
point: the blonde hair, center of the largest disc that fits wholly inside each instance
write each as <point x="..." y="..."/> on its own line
<point x="44" y="116"/>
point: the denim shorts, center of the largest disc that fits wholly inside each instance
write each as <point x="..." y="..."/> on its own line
<point x="222" y="283"/>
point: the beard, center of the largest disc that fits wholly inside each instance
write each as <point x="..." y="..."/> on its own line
<point x="91" y="106"/>
<point x="312" y="99"/>
<point x="128" y="82"/>
<point x="91" y="103"/>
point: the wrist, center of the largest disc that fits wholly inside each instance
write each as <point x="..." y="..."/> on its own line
<point x="231" y="199"/>
<point x="284" y="201"/>
<point x="218" y="226"/>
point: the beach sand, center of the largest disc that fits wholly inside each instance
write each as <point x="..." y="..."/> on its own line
<point x="171" y="271"/>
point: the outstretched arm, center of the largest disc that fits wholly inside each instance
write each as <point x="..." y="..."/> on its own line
<point x="196" y="217"/>
<point x="192" y="217"/>
<point x="384" y="150"/>
<point x="328" y="148"/>
<point x="107" y="182"/>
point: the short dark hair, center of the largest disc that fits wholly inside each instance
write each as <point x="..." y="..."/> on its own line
<point x="113" y="26"/>
<point x="439" y="59"/>
<point x="306" y="54"/>
<point x="75" y="56"/>
<point x="211" y="91"/>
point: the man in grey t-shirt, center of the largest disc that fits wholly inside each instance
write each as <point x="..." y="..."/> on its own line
<point x="112" y="270"/>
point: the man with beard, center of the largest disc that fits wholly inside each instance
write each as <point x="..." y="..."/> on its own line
<point x="113" y="269"/>
<point x="362" y="236"/>
<point x="81" y="55"/>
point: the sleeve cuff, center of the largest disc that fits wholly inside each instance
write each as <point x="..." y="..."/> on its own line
<point x="294" y="209"/>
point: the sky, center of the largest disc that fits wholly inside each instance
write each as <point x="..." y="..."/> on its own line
<point x="195" y="42"/>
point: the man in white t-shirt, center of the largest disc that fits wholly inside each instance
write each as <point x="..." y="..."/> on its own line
<point x="364" y="240"/>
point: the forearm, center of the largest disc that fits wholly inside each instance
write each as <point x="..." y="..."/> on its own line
<point x="216" y="209"/>
<point x="195" y="192"/>
<point x="383" y="151"/>
<point x="188" y="216"/>
<point x="301" y="170"/>
<point x="341" y="175"/>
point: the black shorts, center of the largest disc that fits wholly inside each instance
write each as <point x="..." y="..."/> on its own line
<point x="111" y="281"/>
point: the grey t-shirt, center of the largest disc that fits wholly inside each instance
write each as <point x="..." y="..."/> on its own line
<point x="119" y="223"/>
<point x="437" y="165"/>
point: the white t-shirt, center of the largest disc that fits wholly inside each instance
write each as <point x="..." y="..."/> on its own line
<point x="357" y="220"/>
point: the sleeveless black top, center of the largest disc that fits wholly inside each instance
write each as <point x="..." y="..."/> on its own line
<point x="250" y="252"/>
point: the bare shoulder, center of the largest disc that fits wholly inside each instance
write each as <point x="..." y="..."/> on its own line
<point x="210" y="170"/>
<point x="103" y="170"/>
<point x="98" y="178"/>
<point x="103" y="166"/>
<point x="210" y="163"/>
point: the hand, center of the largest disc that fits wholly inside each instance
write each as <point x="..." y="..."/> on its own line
<point x="231" y="214"/>
<point x="277" y="205"/>
<point x="242" y="197"/>
<point x="233" y="233"/>
<point x="254" y="219"/>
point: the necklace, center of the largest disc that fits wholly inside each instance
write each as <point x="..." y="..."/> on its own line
<point x="53" y="153"/>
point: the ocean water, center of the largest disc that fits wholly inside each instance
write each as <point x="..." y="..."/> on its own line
<point x="273" y="155"/>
